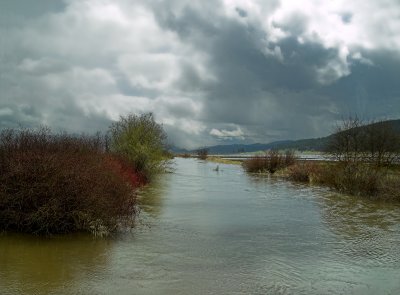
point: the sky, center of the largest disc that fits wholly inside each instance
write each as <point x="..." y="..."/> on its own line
<point x="211" y="71"/>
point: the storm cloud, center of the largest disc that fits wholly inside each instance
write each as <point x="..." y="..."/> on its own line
<point x="213" y="71"/>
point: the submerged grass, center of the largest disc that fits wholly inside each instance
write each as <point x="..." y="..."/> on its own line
<point x="223" y="161"/>
<point x="359" y="179"/>
<point x="354" y="178"/>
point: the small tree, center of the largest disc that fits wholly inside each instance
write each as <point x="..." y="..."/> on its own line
<point x="345" y="144"/>
<point x="202" y="153"/>
<point x="354" y="141"/>
<point x="141" y="140"/>
<point x="381" y="143"/>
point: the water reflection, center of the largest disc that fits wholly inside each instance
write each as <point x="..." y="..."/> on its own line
<point x="368" y="229"/>
<point x="32" y="265"/>
<point x="151" y="198"/>
<point x="225" y="232"/>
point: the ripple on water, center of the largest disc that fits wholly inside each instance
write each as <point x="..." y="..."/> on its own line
<point x="207" y="232"/>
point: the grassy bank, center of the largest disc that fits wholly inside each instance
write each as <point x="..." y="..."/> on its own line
<point x="223" y="161"/>
<point x="359" y="179"/>
<point x="365" y="161"/>
<point x="354" y="178"/>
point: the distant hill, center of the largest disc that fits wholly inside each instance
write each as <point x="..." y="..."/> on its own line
<point x="311" y="144"/>
<point x="314" y="144"/>
<point x="243" y="148"/>
<point x="177" y="150"/>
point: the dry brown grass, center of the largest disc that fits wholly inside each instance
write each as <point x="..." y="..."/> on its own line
<point x="223" y="161"/>
<point x="270" y="162"/>
<point x="184" y="155"/>
<point x="303" y="171"/>
<point x="359" y="179"/>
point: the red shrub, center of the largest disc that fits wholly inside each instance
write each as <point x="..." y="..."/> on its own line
<point x="126" y="170"/>
<point x="59" y="183"/>
<point x="303" y="171"/>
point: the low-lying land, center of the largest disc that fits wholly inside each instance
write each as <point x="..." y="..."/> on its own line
<point x="354" y="178"/>
<point x="365" y="161"/>
<point x="220" y="160"/>
<point x="360" y="179"/>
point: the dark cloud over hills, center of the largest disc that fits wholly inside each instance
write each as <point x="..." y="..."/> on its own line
<point x="211" y="71"/>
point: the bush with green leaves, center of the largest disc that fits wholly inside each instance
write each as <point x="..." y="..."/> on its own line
<point x="141" y="141"/>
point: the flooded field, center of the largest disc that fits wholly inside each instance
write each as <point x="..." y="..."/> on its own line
<point x="203" y="231"/>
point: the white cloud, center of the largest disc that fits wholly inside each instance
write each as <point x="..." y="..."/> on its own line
<point x="227" y="134"/>
<point x="326" y="22"/>
<point x="346" y="26"/>
<point x="6" y="112"/>
<point x="104" y="58"/>
<point x="187" y="126"/>
<point x="150" y="70"/>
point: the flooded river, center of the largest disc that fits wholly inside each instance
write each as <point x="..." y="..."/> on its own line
<point x="203" y="231"/>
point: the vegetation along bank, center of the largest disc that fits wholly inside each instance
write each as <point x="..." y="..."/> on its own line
<point x="365" y="161"/>
<point x="53" y="183"/>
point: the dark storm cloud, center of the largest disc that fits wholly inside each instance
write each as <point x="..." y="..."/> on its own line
<point x="370" y="90"/>
<point x="241" y="12"/>
<point x="346" y="17"/>
<point x="15" y="12"/>
<point x="212" y="71"/>
<point x="290" y="87"/>
<point x="253" y="88"/>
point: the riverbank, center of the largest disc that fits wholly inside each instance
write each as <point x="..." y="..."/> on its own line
<point x="220" y="160"/>
<point x="358" y="179"/>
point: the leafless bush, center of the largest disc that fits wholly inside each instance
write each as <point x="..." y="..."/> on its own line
<point x="202" y="153"/>
<point x="303" y="171"/>
<point x="355" y="179"/>
<point x="270" y="162"/>
<point x="355" y="141"/>
<point x="57" y="183"/>
<point x="364" y="153"/>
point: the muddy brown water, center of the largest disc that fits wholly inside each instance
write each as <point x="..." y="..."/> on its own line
<point x="203" y="231"/>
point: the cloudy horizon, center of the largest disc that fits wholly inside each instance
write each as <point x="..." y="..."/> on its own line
<point x="212" y="72"/>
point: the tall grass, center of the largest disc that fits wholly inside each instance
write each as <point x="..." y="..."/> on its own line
<point x="270" y="162"/>
<point x="359" y="179"/>
<point x="303" y="171"/>
<point x="58" y="183"/>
